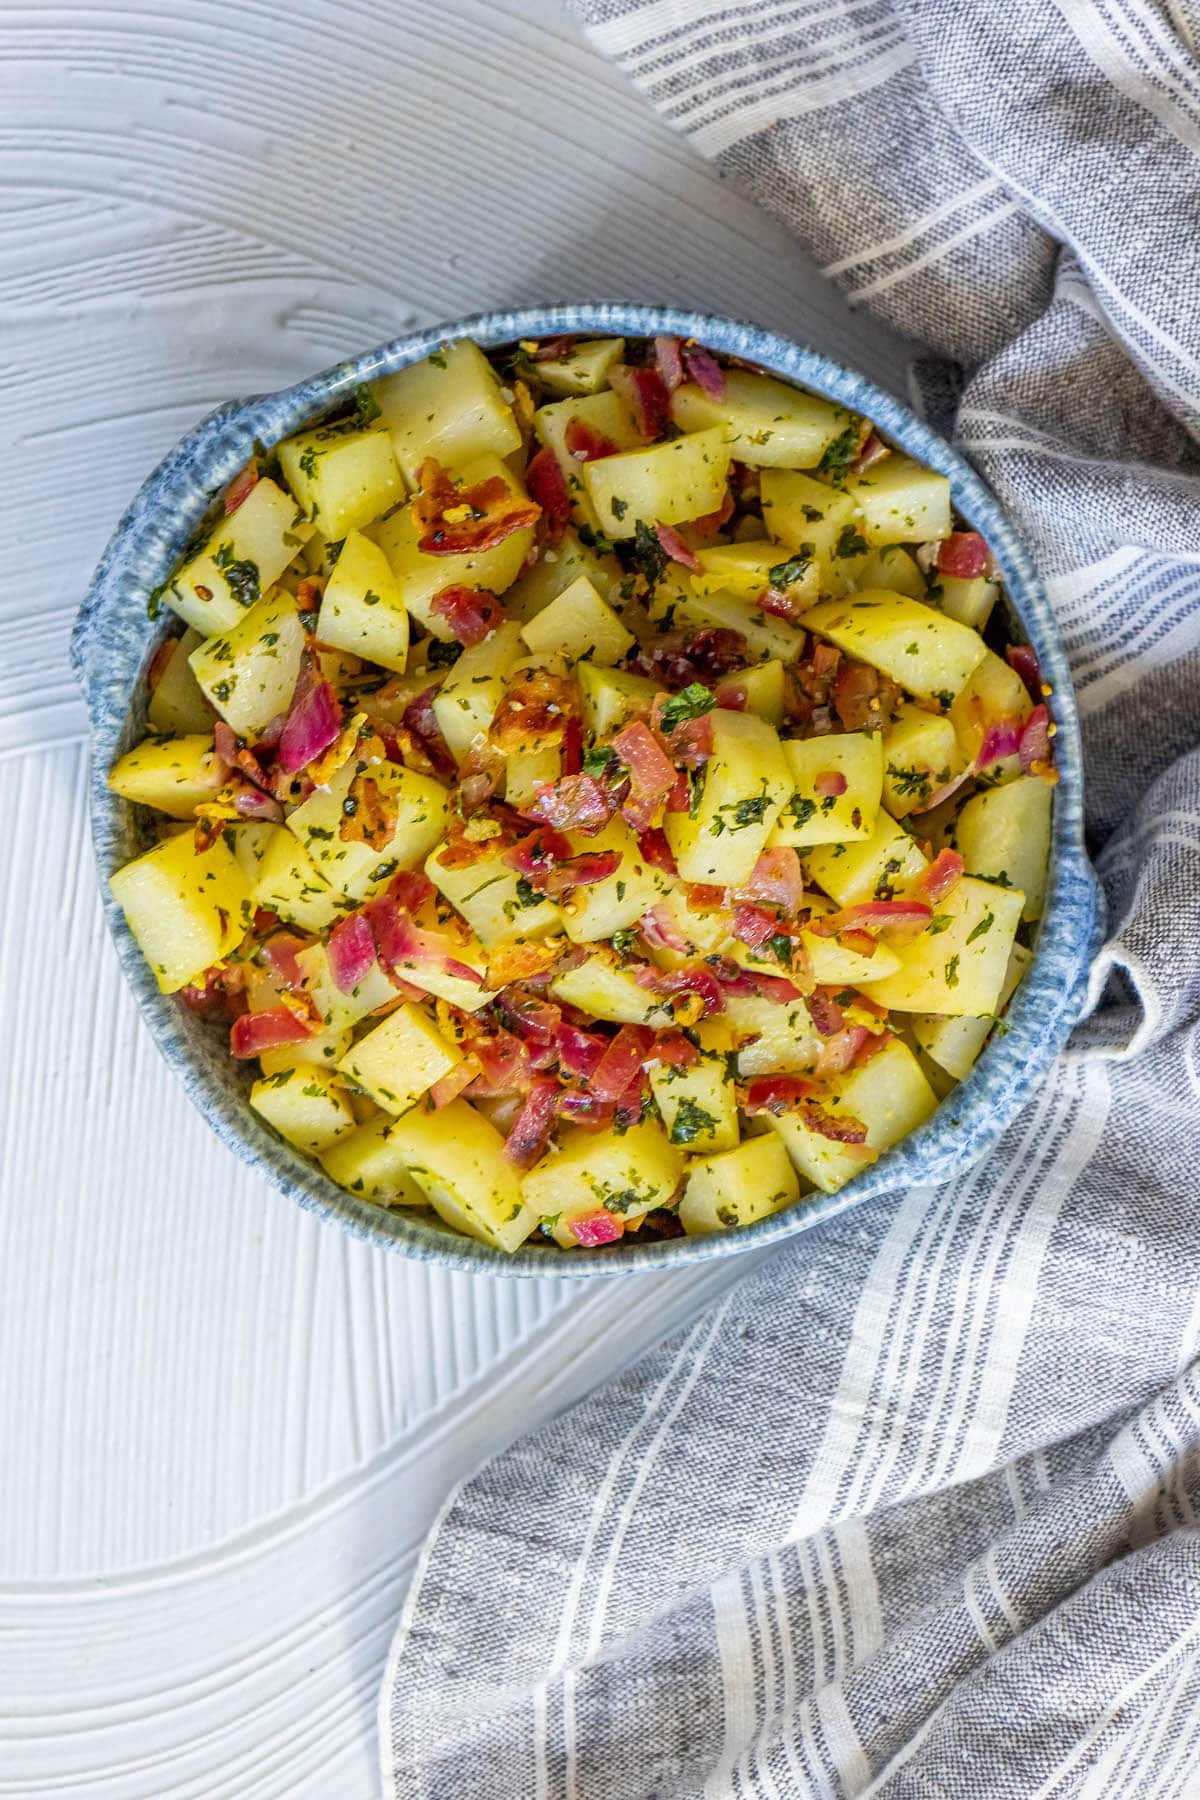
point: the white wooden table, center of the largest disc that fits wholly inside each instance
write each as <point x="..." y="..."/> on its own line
<point x="224" y="1426"/>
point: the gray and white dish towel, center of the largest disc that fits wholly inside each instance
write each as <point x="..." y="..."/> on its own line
<point x="913" y="1510"/>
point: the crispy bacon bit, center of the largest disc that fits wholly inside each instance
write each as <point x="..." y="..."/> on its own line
<point x="1034" y="748"/>
<point x="621" y="1062"/>
<point x="825" y="1012"/>
<point x="471" y="613"/>
<point x="554" y="349"/>
<point x="652" y="776"/>
<point x="456" y="521"/>
<point x="676" y="546"/>
<point x="511" y="962"/>
<point x="752" y="926"/>
<point x="775" y="1093"/>
<point x="241" y="487"/>
<point x="584" y="444"/>
<point x="841" y="1050"/>
<point x="646" y="392"/>
<point x="780" y="605"/>
<point x="253" y="1033"/>
<point x="222" y="993"/>
<point x="534" y="1123"/>
<point x="775" y="880"/>
<point x="1023" y="658"/>
<point x="534" y="1019"/>
<point x="708" y="524"/>
<point x="732" y="696"/>
<point x="225" y="744"/>
<point x="856" y="697"/>
<point x="873" y="451"/>
<point x="575" y="803"/>
<point x="536" y="853"/>
<point x="674" y="1050"/>
<point x="704" y="370"/>
<point x="536" y="710"/>
<point x="370" y="814"/>
<point x="696" y="980"/>
<point x="943" y="873"/>
<point x="252" y="803"/>
<point x="668" y="361"/>
<point x="591" y="1229"/>
<point x="679" y="800"/>
<point x="503" y="1063"/>
<point x="657" y="851"/>
<point x="548" y="485"/>
<point x="351" y="950"/>
<point x="829" y="783"/>
<point x="572" y="746"/>
<point x="963" y="555"/>
<point x="661" y="932"/>
<point x="677" y="660"/>
<point x="579" y="1051"/>
<point x="313" y="722"/>
<point x="1002" y="738"/>
<point x="411" y="889"/>
<point x="704" y="898"/>
<point x="872" y="916"/>
<point x="279" y="955"/>
<point x="860" y="942"/>
<point x="841" y="1129"/>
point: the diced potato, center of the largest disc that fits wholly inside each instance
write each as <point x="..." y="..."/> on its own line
<point x="954" y="1044"/>
<point x="304" y="1107"/>
<point x="698" y="1104"/>
<point x="284" y="878"/>
<point x="929" y="655"/>
<point x="555" y="569"/>
<point x="351" y="867"/>
<point x="602" y="907"/>
<point x="885" y="866"/>
<point x="321" y="1051"/>
<point x="958" y="963"/>
<point x="603" y="989"/>
<point x="243" y="556"/>
<point x="582" y="369"/>
<point x="448" y="406"/>
<point x="177" y="707"/>
<point x="526" y="770"/>
<point x="888" y="1094"/>
<point x="747" y="570"/>
<point x="457" y="1159"/>
<point x="764" y="688"/>
<point x="901" y="501"/>
<point x="747" y="780"/>
<point x="624" y="1173"/>
<point x="705" y="931"/>
<point x="1004" y="835"/>
<point x="738" y="1186"/>
<point x="580" y="625"/>
<point x="766" y="635"/>
<point x="344" y="476"/>
<point x="492" y="899"/>
<point x="338" y="1010"/>
<point x="400" y="1059"/>
<point x="466" y="702"/>
<point x="420" y="576"/>
<point x="920" y="755"/>
<point x="612" y="696"/>
<point x="667" y="484"/>
<point x="893" y="567"/>
<point x="185" y="910"/>
<point x="367" y="1163"/>
<point x="249" y="672"/>
<point x="468" y="994"/>
<point x="832" y="965"/>
<point x="994" y="695"/>
<point x="771" y="1037"/>
<point x="968" y="601"/>
<point x="767" y="423"/>
<point x="362" y="609"/>
<point x="812" y="817"/>
<point x="810" y="516"/>
<point x="609" y="415"/>
<point x="174" y="775"/>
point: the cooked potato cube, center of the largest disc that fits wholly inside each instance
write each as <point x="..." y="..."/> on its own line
<point x="556" y="568"/>
<point x="764" y="688"/>
<point x="885" y="866"/>
<point x="609" y="415"/>
<point x="525" y="771"/>
<point x="765" y="635"/>
<point x="171" y="774"/>
<point x="177" y="707"/>
<point x="1004" y="835"/>
<point x="954" y="1044"/>
<point x="602" y="988"/>
<point x="705" y="930"/>
<point x="367" y="1163"/>
<point x="667" y="484"/>
<point x="421" y="576"/>
<point x="583" y="368"/>
<point x="929" y="655"/>
<point x="304" y="1107"/>
<point x="496" y="903"/>
<point x="338" y="1010"/>
<point x="771" y="1037"/>
<point x="747" y="570"/>
<point x="284" y="878"/>
<point x="400" y="1059"/>
<point x="362" y="609"/>
<point x="995" y="695"/>
<point x="767" y="423"/>
<point x="612" y="696"/>
<point x="746" y="782"/>
<point x="968" y="601"/>
<point x="893" y="567"/>
<point x="580" y="625"/>
<point x="602" y="907"/>
<point x="624" y="1173"/>
<point x="351" y="867"/>
<point x="698" y="1103"/>
<point x="818" y="520"/>
<point x="889" y="1095"/>
<point x="831" y="964"/>
<point x="901" y="502"/>
<point x="249" y="672"/>
<point x="448" y="406"/>
<point x="958" y="963"/>
<point x="466" y="702"/>
<point x="738" y="1186"/>
<point x="185" y="910"/>
<point x="243" y="557"/>
<point x="813" y="813"/>
<point x="320" y="1051"/>
<point x="920" y="755"/>
<point x="344" y="476"/>
<point x="456" y="1157"/>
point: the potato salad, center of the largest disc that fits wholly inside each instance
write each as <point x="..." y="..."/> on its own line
<point x="598" y="791"/>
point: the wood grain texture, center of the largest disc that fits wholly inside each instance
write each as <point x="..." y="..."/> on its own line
<point x="223" y="1425"/>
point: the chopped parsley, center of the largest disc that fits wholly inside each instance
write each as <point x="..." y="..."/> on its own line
<point x="850" y="542"/>
<point x="366" y="406"/>
<point x="648" y="554"/>
<point x="985" y="924"/>
<point x="800" y="809"/>
<point x="784" y="574"/>
<point x="952" y="972"/>
<point x="691" y="702"/>
<point x="690" y="1122"/>
<point x="909" y="781"/>
<point x="838" y="456"/>
<point x="599" y="760"/>
<point x="240" y="573"/>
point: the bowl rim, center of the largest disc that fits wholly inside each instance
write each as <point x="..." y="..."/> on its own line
<point x="114" y="639"/>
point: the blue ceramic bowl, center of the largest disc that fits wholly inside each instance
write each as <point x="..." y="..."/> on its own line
<point x="114" y="641"/>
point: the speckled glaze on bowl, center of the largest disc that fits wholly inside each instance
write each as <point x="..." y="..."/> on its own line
<point x="114" y="640"/>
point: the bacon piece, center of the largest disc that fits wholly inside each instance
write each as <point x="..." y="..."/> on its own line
<point x="657" y="851"/>
<point x="646" y="392"/>
<point x="829" y="783"/>
<point x="861" y="942"/>
<point x="253" y="1033"/>
<point x="241" y="487"/>
<point x="575" y="803"/>
<point x="471" y="613"/>
<point x="661" y="932"/>
<point x="873" y="451"/>
<point x="221" y="994"/>
<point x="731" y="696"/>
<point x="225" y="744"/>
<point x="1034" y="749"/>
<point x="1023" y="658"/>
<point x="708" y="524"/>
<point x="531" y="1131"/>
<point x="536" y="709"/>
<point x="668" y="361"/>
<point x="780" y="605"/>
<point x="536" y="853"/>
<point x="841" y="1051"/>
<point x="704" y="370"/>
<point x="404" y="948"/>
<point x="872" y="916"/>
<point x="652" y="776"/>
<point x="856" y="697"/>
<point x="351" y="950"/>
<point x="572" y="746"/>
<point x="775" y="880"/>
<point x="534" y="1019"/>
<point x="456" y="520"/>
<point x="1002" y="738"/>
<point x="279" y="955"/>
<point x="313" y="722"/>
<point x="579" y="1051"/>
<point x="943" y="873"/>
<point x="753" y="927"/>
<point x="674" y="1050"/>
<point x="633" y="1102"/>
<point x="695" y="979"/>
<point x="578" y="871"/>
<point x="584" y="444"/>
<point x="703" y="897"/>
<point x="370" y="814"/>
<point x="585" y="1110"/>
<point x="252" y="803"/>
<point x="963" y="555"/>
<point x="825" y="1012"/>
<point x="504" y="1066"/>
<point x="621" y="1062"/>
<point x="548" y="485"/>
<point x="511" y="962"/>
<point x="775" y="1093"/>
<point x="411" y="889"/>
<point x="679" y="799"/>
<point x="676" y="546"/>
<point x="591" y="1229"/>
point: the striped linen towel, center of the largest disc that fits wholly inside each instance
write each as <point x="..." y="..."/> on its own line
<point x="913" y="1511"/>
